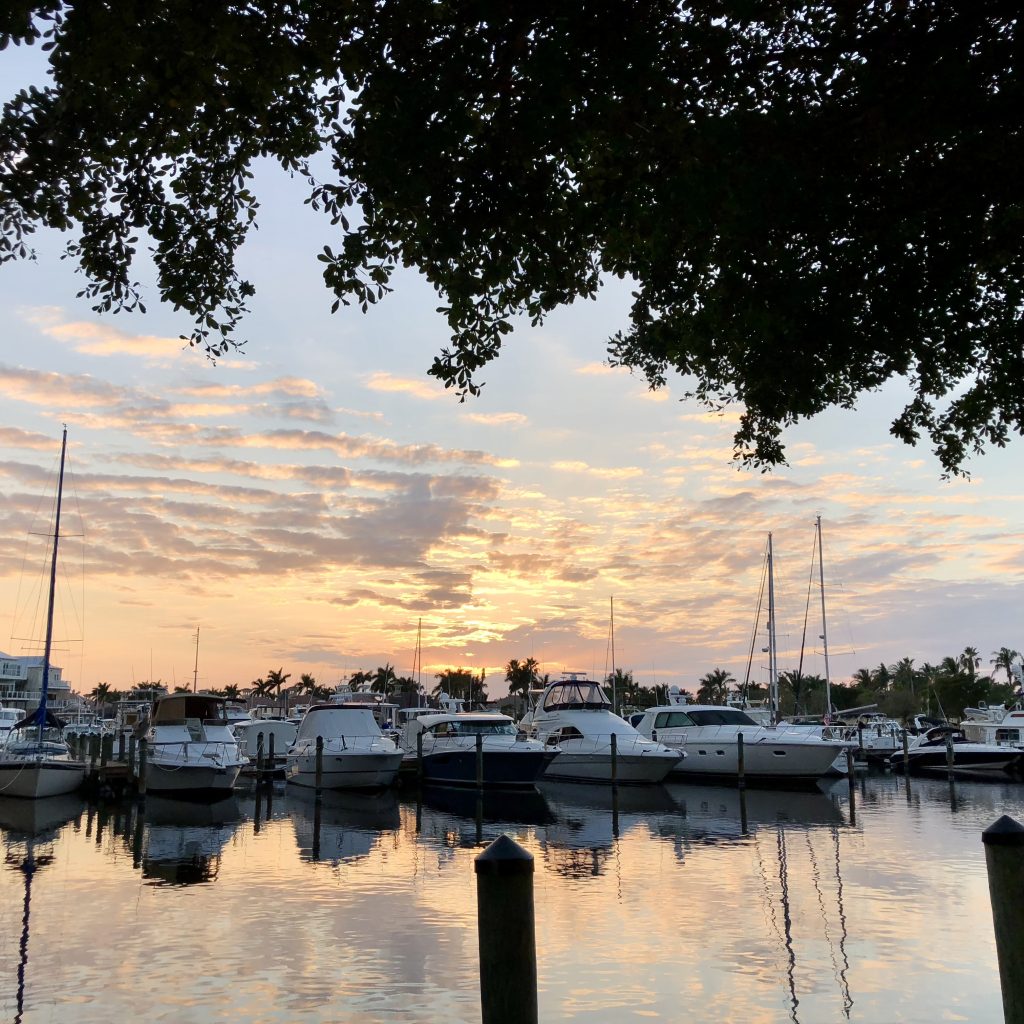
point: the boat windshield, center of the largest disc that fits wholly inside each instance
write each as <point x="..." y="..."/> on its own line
<point x="721" y="716"/>
<point x="576" y="695"/>
<point x="477" y="728"/>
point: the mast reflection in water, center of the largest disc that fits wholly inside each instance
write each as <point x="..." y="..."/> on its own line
<point x="29" y="829"/>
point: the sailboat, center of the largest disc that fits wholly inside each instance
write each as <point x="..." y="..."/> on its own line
<point x="35" y="761"/>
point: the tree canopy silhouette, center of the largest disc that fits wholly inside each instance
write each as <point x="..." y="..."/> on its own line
<point x="810" y="198"/>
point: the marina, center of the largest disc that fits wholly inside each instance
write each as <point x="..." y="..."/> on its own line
<point x="670" y="902"/>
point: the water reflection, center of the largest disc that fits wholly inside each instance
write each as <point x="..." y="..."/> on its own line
<point x="587" y="821"/>
<point x="341" y="826"/>
<point x="182" y="840"/>
<point x="715" y="812"/>
<point x="30" y="828"/>
<point x="766" y="906"/>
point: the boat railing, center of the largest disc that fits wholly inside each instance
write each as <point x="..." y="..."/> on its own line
<point x="352" y="743"/>
<point x="600" y="743"/>
<point x="217" y="749"/>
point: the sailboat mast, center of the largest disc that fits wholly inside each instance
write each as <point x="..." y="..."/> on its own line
<point x="53" y="590"/>
<point x="773" y="674"/>
<point x="611" y="627"/>
<point x="418" y="667"/>
<point x="824" y="623"/>
<point x="195" y="671"/>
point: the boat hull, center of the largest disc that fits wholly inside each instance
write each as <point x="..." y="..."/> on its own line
<point x="596" y="766"/>
<point x="769" y="762"/>
<point x="33" y="780"/>
<point x="346" y="771"/>
<point x="1008" y="761"/>
<point x="503" y="769"/>
<point x="190" y="778"/>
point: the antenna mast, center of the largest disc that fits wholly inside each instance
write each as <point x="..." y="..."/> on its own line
<point x="195" y="671"/>
<point x="824" y="625"/>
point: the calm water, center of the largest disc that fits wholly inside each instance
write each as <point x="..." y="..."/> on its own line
<point x="683" y="906"/>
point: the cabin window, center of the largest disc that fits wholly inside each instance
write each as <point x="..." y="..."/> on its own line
<point x="720" y="716"/>
<point x="672" y="720"/>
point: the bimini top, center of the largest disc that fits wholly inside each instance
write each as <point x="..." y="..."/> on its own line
<point x="333" y="720"/>
<point x="575" y="695"/>
<point x="177" y="707"/>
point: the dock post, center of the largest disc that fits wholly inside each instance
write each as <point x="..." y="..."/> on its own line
<point x="103" y="760"/>
<point x="120" y="746"/>
<point x="479" y="760"/>
<point x="270" y="755"/>
<point x="615" y="760"/>
<point x="741" y="779"/>
<point x="860" y="738"/>
<point x="131" y="756"/>
<point x="1004" y="859"/>
<point x="950" y="756"/>
<point x="505" y="930"/>
<point x="319" y="767"/>
<point x="419" y="755"/>
<point x="143" y="749"/>
<point x="94" y="751"/>
<point x="259" y="759"/>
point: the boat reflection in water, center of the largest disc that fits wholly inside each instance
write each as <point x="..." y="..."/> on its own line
<point x="716" y="812"/>
<point x="467" y="817"/>
<point x="588" y="819"/>
<point x="30" y="828"/>
<point x="183" y="840"/>
<point x="342" y="825"/>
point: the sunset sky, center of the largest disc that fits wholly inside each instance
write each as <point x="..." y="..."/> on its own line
<point x="307" y="502"/>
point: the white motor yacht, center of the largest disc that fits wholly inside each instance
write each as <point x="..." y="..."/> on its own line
<point x="356" y="754"/>
<point x="995" y="723"/>
<point x="709" y="735"/>
<point x="449" y="740"/>
<point x="575" y="715"/>
<point x="191" y="747"/>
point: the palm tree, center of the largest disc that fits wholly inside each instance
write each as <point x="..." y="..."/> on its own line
<point x="970" y="661"/>
<point x="231" y="692"/>
<point x="276" y="678"/>
<point x="307" y="684"/>
<point x="100" y="694"/>
<point x="261" y="688"/>
<point x="714" y="687"/>
<point x="383" y="678"/>
<point x="1004" y="659"/>
<point x="521" y="675"/>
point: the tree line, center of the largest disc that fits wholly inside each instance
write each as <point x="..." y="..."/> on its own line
<point x="899" y="690"/>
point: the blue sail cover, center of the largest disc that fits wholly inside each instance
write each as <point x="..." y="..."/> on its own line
<point x="38" y="717"/>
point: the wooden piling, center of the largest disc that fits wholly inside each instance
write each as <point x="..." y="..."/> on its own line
<point x="259" y="759"/>
<point x="741" y="777"/>
<point x="615" y="760"/>
<point x="1004" y="859"/>
<point x="506" y="933"/>
<point x="143" y="750"/>
<point x="419" y="755"/>
<point x="319" y="767"/>
<point x="479" y="761"/>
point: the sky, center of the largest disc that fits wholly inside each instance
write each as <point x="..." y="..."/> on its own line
<point x="316" y="501"/>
